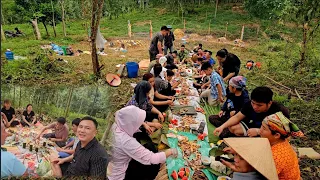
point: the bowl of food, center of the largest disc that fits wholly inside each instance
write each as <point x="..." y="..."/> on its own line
<point x="224" y="178"/>
<point x="205" y="160"/>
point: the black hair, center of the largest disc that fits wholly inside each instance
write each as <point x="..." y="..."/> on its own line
<point x="206" y="66"/>
<point x="157" y="69"/>
<point x="205" y="51"/>
<point x="147" y="76"/>
<point x="76" y="121"/>
<point x="262" y="94"/>
<point x="175" y="52"/>
<point x="183" y="45"/>
<point x="210" y="52"/>
<point x="170" y="72"/>
<point x="28" y="106"/>
<point x="164" y="28"/>
<point x="222" y="53"/>
<point x="95" y="122"/>
<point x="283" y="137"/>
<point x="200" y="45"/>
<point x="61" y="120"/>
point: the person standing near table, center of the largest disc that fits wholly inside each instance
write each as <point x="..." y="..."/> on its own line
<point x="229" y="64"/>
<point x="168" y="41"/>
<point x="10" y="165"/>
<point x="156" y="43"/>
<point x="90" y="158"/>
<point x="61" y="132"/>
<point x="10" y="114"/>
<point x="28" y="118"/>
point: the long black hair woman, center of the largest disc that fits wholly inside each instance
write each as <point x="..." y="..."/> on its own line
<point x="229" y="64"/>
<point x="141" y="100"/>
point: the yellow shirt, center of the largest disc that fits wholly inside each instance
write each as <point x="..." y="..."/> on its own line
<point x="286" y="161"/>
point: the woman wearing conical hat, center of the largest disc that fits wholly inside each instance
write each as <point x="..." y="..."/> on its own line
<point x="252" y="159"/>
<point x="277" y="128"/>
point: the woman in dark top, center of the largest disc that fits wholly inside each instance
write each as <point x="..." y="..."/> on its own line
<point x="28" y="116"/>
<point x="10" y="114"/>
<point x="236" y="99"/>
<point x="229" y="64"/>
<point x="141" y="100"/>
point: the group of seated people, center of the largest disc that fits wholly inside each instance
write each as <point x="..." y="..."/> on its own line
<point x="81" y="155"/>
<point x="240" y="116"/>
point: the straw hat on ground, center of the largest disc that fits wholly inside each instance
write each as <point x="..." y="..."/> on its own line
<point x="257" y="152"/>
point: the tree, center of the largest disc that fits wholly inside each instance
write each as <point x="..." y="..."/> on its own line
<point x="53" y="21"/>
<point x="97" y="6"/>
<point x="63" y="21"/>
<point x="305" y="13"/>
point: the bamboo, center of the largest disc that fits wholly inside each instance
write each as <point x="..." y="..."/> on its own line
<point x="209" y="27"/>
<point x="276" y="82"/>
<point x="215" y="12"/>
<point x="69" y="102"/>
<point x="184" y="25"/>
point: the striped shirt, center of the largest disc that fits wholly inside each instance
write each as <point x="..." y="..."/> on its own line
<point x="89" y="161"/>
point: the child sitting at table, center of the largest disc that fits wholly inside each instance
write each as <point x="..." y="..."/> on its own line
<point x="174" y="84"/>
<point x="217" y="91"/>
<point x="61" y="132"/>
<point x="66" y="151"/>
<point x="162" y="86"/>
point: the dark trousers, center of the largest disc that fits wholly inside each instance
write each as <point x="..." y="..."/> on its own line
<point x="52" y="135"/>
<point x="139" y="171"/>
<point x="153" y="55"/>
<point x="217" y="122"/>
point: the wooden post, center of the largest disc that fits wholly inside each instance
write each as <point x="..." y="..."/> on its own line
<point x="225" y="33"/>
<point x="242" y="32"/>
<point x="215" y="12"/>
<point x="184" y="25"/>
<point x="258" y="29"/>
<point x="129" y="29"/>
<point x="150" y="31"/>
<point x="209" y="27"/>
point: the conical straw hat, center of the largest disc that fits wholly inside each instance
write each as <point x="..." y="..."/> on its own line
<point x="257" y="152"/>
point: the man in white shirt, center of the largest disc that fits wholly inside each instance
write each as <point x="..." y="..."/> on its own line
<point x="163" y="62"/>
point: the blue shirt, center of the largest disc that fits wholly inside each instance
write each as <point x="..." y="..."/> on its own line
<point x="212" y="61"/>
<point x="10" y="165"/>
<point x="215" y="79"/>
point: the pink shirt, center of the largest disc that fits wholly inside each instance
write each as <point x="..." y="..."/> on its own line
<point x="62" y="133"/>
<point x="125" y="147"/>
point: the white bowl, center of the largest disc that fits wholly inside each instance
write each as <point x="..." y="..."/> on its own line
<point x="224" y="178"/>
<point x="205" y="160"/>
